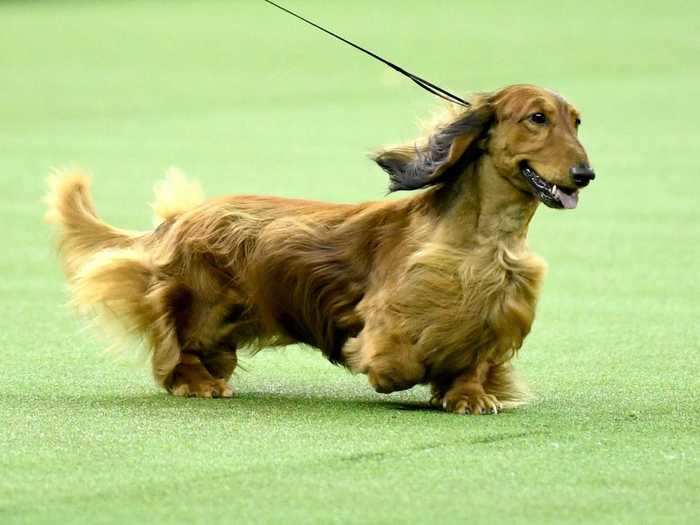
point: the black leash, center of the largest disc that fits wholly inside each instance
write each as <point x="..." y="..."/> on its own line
<point x="428" y="86"/>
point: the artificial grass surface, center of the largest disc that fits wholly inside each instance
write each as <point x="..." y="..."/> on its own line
<point x="249" y="101"/>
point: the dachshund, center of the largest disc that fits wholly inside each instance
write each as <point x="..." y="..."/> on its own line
<point x="438" y="288"/>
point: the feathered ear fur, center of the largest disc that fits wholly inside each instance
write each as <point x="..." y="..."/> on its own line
<point x="427" y="162"/>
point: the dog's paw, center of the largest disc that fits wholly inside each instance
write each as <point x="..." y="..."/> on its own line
<point x="204" y="389"/>
<point x="390" y="375"/>
<point x="386" y="384"/>
<point x="436" y="400"/>
<point x="471" y="403"/>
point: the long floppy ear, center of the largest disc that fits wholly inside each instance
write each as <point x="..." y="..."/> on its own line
<point x="426" y="163"/>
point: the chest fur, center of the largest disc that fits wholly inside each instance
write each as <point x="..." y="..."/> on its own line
<point x="457" y="304"/>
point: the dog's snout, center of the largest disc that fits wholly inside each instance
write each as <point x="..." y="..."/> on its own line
<point x="582" y="175"/>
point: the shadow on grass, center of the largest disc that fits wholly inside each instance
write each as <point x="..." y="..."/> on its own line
<point x="249" y="406"/>
<point x="242" y="402"/>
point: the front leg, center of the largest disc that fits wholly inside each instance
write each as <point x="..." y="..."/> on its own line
<point x="390" y="364"/>
<point x="391" y="372"/>
<point x="467" y="395"/>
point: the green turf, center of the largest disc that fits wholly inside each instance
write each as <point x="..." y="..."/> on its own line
<point x="247" y="100"/>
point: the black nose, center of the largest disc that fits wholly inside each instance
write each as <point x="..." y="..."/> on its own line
<point x="582" y="175"/>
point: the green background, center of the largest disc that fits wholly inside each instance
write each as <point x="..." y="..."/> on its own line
<point x="247" y="100"/>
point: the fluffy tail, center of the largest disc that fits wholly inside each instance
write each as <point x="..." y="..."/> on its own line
<point x="110" y="270"/>
<point x="81" y="233"/>
<point x="175" y="195"/>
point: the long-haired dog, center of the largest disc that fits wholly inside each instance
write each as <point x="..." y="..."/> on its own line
<point x="438" y="288"/>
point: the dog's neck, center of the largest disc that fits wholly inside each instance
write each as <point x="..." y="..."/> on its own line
<point x="484" y="207"/>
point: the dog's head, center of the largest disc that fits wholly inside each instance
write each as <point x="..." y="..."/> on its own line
<point x="530" y="134"/>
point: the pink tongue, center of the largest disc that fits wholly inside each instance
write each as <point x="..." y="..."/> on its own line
<point x="568" y="201"/>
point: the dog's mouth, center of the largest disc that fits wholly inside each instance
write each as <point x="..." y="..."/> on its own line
<point x="550" y="194"/>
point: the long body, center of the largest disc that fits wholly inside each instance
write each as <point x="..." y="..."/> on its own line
<point x="438" y="288"/>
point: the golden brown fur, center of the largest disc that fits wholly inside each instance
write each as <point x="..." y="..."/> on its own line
<point x="438" y="288"/>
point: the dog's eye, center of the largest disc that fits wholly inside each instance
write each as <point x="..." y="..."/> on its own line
<point x="538" y="118"/>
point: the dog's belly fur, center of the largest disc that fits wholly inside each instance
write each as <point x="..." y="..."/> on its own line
<point x="266" y="271"/>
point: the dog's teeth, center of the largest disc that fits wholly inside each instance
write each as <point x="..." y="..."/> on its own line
<point x="554" y="190"/>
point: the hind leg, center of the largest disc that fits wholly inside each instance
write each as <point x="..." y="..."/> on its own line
<point x="221" y="364"/>
<point x="189" y="359"/>
<point x="210" y="358"/>
<point x="193" y="378"/>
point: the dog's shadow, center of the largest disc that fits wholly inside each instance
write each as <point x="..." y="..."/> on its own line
<point x="268" y="408"/>
<point x="251" y="402"/>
